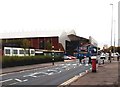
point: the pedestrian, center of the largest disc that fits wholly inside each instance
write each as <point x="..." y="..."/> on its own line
<point x="89" y="60"/>
<point x="84" y="61"/>
<point x="118" y="56"/>
<point x="109" y="58"/>
<point x="79" y="57"/>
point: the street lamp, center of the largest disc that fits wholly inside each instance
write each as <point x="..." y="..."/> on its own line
<point x="114" y="36"/>
<point x="111" y="24"/>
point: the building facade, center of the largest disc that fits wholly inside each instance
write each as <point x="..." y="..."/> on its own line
<point x="13" y="46"/>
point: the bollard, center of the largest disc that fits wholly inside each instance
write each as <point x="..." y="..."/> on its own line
<point x="93" y="63"/>
<point x="53" y="61"/>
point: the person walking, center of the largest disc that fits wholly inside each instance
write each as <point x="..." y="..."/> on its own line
<point x="89" y="62"/>
<point x="109" y="57"/>
<point x="118" y="56"/>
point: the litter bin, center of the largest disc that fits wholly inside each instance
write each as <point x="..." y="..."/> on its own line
<point x="93" y="63"/>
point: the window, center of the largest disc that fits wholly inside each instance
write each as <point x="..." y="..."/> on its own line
<point x="15" y="51"/>
<point x="21" y="51"/>
<point x="7" y="51"/>
<point x="83" y="49"/>
<point x="41" y="45"/>
<point x="32" y="52"/>
<point x="27" y="51"/>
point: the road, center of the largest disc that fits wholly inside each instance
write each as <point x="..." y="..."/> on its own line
<point x="55" y="75"/>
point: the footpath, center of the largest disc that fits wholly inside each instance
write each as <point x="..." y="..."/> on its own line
<point x="107" y="75"/>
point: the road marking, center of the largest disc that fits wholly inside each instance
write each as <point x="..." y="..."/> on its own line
<point x="74" y="64"/>
<point x="70" y="80"/>
<point x="13" y="83"/>
<point x="34" y="76"/>
<point x="68" y="64"/>
<point x="50" y="73"/>
<point x="18" y="80"/>
<point x="3" y="74"/>
<point x="21" y="80"/>
<point x="25" y="80"/>
<point x="6" y="80"/>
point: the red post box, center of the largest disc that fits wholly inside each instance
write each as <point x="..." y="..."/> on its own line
<point x="93" y="63"/>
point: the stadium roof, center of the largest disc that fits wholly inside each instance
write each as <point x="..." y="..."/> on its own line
<point x="40" y="33"/>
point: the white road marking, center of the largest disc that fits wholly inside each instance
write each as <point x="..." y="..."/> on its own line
<point x="74" y="64"/>
<point x="70" y="80"/>
<point x="21" y="80"/>
<point x="13" y="83"/>
<point x="18" y="80"/>
<point x="3" y="74"/>
<point x="25" y="80"/>
<point x="6" y="80"/>
<point x="68" y="64"/>
<point x="50" y="73"/>
<point x="34" y="76"/>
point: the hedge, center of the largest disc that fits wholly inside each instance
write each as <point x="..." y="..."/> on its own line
<point x="11" y="61"/>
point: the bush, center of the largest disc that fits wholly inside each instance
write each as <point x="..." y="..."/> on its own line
<point x="10" y="61"/>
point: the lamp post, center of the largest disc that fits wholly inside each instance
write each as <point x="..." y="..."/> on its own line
<point x="111" y="24"/>
<point x="114" y="37"/>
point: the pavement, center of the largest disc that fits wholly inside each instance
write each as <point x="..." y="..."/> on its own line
<point x="106" y="76"/>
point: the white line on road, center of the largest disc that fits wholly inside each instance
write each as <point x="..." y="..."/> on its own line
<point x="6" y="80"/>
<point x="70" y="80"/>
<point x="21" y="80"/>
<point x="3" y="74"/>
<point x="13" y="83"/>
<point x="18" y="80"/>
<point x="25" y="80"/>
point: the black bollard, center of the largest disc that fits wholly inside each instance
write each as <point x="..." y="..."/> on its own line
<point x="52" y="61"/>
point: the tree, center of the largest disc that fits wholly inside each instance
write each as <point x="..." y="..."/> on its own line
<point x="48" y="45"/>
<point x="26" y="45"/>
<point x="16" y="42"/>
<point x="118" y="49"/>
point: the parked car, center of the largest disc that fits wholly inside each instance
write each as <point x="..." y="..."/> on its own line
<point x="69" y="57"/>
<point x="102" y="56"/>
<point x="114" y="55"/>
<point x="72" y="57"/>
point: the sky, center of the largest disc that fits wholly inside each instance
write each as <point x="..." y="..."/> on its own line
<point x="86" y="17"/>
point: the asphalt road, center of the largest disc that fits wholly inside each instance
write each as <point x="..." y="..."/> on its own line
<point x="55" y="75"/>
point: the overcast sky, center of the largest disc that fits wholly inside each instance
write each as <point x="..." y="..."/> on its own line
<point x="86" y="17"/>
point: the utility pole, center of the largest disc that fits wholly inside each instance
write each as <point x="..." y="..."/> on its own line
<point x="114" y="36"/>
<point x="111" y="24"/>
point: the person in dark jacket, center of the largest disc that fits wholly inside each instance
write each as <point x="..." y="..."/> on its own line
<point x="118" y="56"/>
<point x="109" y="56"/>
